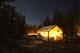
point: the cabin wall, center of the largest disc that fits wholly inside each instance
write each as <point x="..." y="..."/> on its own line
<point x="55" y="34"/>
<point x="44" y="35"/>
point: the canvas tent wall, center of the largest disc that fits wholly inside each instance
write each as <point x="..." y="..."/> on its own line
<point x="51" y="33"/>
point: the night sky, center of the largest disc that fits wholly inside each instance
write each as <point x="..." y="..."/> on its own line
<point x="37" y="10"/>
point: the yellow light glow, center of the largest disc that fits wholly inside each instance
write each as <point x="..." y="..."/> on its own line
<point x="55" y="34"/>
<point x="78" y="34"/>
<point x="32" y="34"/>
<point x="44" y="34"/>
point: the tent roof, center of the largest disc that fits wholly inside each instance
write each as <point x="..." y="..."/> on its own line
<point x="46" y="28"/>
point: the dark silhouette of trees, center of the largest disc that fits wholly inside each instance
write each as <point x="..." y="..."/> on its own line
<point x="47" y="21"/>
<point x="19" y="26"/>
<point x="69" y="20"/>
<point x="27" y="29"/>
<point x="31" y="29"/>
<point x="12" y="27"/>
<point x="6" y="12"/>
<point x="75" y="16"/>
<point x="39" y="26"/>
<point x="12" y="23"/>
<point x="58" y="18"/>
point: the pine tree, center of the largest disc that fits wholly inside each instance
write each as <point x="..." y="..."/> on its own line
<point x="72" y="19"/>
<point x="47" y="21"/>
<point x="12" y="23"/>
<point x="6" y="12"/>
<point x="58" y="18"/>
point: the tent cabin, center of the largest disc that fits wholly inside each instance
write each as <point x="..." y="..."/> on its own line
<point x="51" y="33"/>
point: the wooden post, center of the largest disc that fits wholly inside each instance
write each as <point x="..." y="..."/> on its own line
<point x="48" y="35"/>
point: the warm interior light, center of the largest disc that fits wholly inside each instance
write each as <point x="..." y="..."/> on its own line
<point x="44" y="34"/>
<point x="78" y="34"/>
<point x="32" y="34"/>
<point x="54" y="34"/>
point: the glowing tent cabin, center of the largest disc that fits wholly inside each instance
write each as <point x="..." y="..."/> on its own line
<point x="51" y="33"/>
